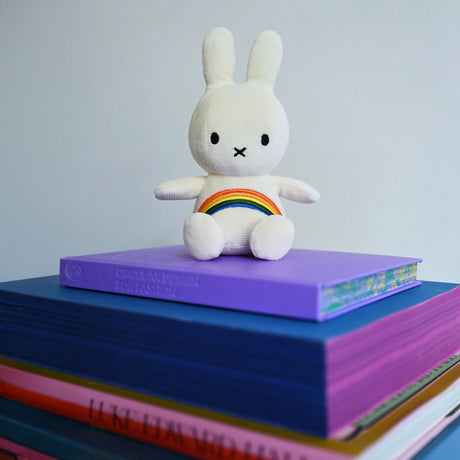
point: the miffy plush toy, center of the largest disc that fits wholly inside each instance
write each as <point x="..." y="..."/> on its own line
<point x="238" y="134"/>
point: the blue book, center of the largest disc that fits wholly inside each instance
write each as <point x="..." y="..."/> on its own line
<point x="314" y="378"/>
<point x="66" y="439"/>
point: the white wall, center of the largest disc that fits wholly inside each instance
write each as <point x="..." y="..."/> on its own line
<point x="96" y="96"/>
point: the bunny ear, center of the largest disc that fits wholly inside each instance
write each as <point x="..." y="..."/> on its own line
<point x="265" y="58"/>
<point x="218" y="57"/>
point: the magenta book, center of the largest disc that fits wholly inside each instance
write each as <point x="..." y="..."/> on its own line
<point x="306" y="284"/>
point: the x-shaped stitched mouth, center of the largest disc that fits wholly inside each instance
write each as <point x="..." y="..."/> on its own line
<point x="239" y="151"/>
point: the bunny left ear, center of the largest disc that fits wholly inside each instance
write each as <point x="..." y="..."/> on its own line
<point x="218" y="57"/>
<point x="265" y="58"/>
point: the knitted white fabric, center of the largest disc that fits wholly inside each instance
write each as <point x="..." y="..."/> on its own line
<point x="238" y="134"/>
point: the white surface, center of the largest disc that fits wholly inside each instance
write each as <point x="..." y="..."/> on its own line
<point x="96" y="97"/>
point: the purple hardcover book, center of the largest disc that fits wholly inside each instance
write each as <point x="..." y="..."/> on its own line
<point x="307" y="284"/>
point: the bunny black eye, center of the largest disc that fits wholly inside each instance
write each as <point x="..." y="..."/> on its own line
<point x="214" y="138"/>
<point x="264" y="139"/>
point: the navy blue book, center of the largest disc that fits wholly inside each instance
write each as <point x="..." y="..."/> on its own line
<point x="65" y="439"/>
<point x="314" y="378"/>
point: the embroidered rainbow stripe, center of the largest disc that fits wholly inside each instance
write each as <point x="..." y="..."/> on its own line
<point x="239" y="197"/>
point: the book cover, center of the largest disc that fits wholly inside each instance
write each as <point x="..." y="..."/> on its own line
<point x="308" y="284"/>
<point x="317" y="378"/>
<point x="404" y="429"/>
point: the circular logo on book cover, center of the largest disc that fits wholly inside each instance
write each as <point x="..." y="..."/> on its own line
<point x="73" y="271"/>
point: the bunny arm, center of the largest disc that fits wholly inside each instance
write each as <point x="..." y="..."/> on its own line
<point x="295" y="190"/>
<point x="186" y="188"/>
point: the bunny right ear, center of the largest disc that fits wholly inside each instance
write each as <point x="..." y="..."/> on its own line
<point x="218" y="57"/>
<point x="265" y="58"/>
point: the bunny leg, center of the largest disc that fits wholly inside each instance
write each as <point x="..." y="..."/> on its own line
<point x="203" y="236"/>
<point x="272" y="238"/>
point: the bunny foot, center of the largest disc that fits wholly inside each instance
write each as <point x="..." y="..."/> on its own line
<point x="203" y="236"/>
<point x="272" y="238"/>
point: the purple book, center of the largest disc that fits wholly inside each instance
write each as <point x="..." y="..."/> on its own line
<point x="307" y="284"/>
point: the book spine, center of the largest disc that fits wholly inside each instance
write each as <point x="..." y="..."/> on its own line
<point x="184" y="433"/>
<point x="260" y="295"/>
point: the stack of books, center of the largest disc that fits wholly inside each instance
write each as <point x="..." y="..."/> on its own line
<point x="321" y="355"/>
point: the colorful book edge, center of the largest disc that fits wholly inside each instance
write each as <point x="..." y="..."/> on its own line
<point x="195" y="434"/>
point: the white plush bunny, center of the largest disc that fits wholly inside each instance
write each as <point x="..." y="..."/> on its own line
<point x="238" y="134"/>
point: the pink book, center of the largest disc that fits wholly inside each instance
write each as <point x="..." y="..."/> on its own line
<point x="404" y="430"/>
